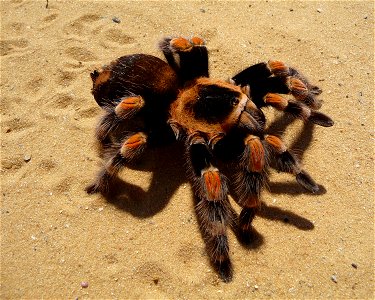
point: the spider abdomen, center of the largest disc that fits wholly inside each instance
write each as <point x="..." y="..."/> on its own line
<point x="133" y="75"/>
<point x="136" y="91"/>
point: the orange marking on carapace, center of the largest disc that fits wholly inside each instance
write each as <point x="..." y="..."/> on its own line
<point x="129" y="103"/>
<point x="181" y="109"/>
<point x="102" y="78"/>
<point x="197" y="41"/>
<point x="213" y="184"/>
<point x="276" y="101"/>
<point x="278" y="67"/>
<point x="181" y="44"/>
<point x="256" y="153"/>
<point x="276" y="143"/>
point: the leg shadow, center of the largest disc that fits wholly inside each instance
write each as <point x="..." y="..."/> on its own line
<point x="274" y="213"/>
<point x="165" y="164"/>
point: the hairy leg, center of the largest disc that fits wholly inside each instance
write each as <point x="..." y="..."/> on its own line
<point x="213" y="208"/>
<point x="132" y="147"/>
<point x="297" y="109"/>
<point x="276" y="77"/>
<point x="189" y="57"/>
<point x="249" y="181"/>
<point x="287" y="162"/>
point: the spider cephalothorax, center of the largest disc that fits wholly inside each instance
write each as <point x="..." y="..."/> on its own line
<point x="148" y="101"/>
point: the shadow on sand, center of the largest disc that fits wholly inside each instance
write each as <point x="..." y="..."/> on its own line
<point x="167" y="166"/>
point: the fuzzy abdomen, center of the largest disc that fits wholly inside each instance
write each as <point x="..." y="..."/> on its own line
<point x="138" y="74"/>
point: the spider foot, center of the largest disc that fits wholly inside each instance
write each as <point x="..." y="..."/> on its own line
<point x="315" y="90"/>
<point x="225" y="270"/>
<point x="320" y="119"/>
<point x="307" y="182"/>
<point x="244" y="231"/>
<point x="214" y="217"/>
<point x="101" y="185"/>
<point x="93" y="188"/>
<point x="247" y="236"/>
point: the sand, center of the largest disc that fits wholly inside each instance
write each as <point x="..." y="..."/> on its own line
<point x="146" y="242"/>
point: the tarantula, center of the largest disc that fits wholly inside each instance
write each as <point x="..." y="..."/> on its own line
<point x="147" y="100"/>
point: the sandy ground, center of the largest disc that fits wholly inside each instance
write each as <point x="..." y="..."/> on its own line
<point x="146" y="243"/>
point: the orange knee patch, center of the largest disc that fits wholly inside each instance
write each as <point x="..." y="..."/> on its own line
<point x="129" y="104"/>
<point x="278" y="67"/>
<point x="276" y="101"/>
<point x="133" y="143"/>
<point x="213" y="184"/>
<point x="197" y="41"/>
<point x="135" y="140"/>
<point x="181" y="44"/>
<point x="256" y="158"/>
<point x="275" y="143"/>
<point x="297" y="87"/>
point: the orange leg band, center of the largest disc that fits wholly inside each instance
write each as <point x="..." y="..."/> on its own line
<point x="197" y="41"/>
<point x="129" y="104"/>
<point x="132" y="144"/>
<point x="298" y="88"/>
<point x="276" y="101"/>
<point x="256" y="153"/>
<point x="278" y="67"/>
<point x="212" y="182"/>
<point x="275" y="143"/>
<point x="181" y="44"/>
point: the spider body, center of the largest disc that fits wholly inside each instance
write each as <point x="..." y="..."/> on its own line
<point x="138" y="88"/>
<point x="148" y="101"/>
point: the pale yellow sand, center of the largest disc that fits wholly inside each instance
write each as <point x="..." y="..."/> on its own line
<point x="148" y="244"/>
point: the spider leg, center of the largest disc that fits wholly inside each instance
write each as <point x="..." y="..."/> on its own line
<point x="213" y="208"/>
<point x="116" y="112"/>
<point x="276" y="77"/>
<point x="297" y="109"/>
<point x="120" y="155"/>
<point x="287" y="162"/>
<point x="249" y="181"/>
<point x="189" y="57"/>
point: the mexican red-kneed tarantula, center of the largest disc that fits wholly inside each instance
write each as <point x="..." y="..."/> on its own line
<point x="146" y="100"/>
